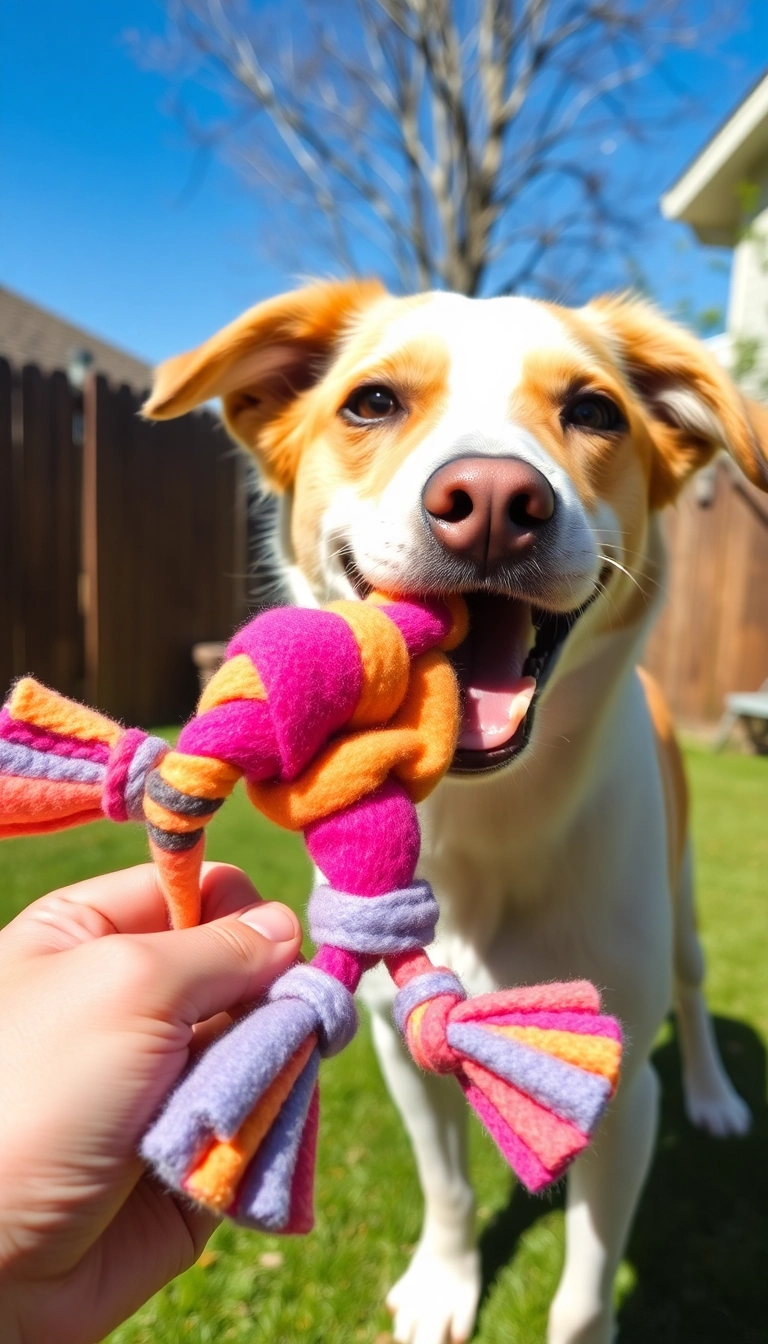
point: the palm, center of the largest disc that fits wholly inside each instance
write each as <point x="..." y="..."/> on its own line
<point x="150" y="1240"/>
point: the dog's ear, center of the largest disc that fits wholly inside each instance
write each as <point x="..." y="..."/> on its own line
<point x="692" y="405"/>
<point x="260" y="364"/>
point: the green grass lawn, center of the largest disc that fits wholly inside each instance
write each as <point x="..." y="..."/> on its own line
<point x="694" y="1272"/>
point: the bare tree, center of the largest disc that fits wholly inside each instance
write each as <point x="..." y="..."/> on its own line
<point x="464" y="144"/>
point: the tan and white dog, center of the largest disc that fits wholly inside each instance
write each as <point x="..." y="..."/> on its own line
<point x="520" y="453"/>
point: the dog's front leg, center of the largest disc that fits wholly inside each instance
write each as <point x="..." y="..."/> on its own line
<point x="435" y="1302"/>
<point x="603" y="1189"/>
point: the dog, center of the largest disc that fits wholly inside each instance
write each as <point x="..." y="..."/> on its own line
<point x="520" y="453"/>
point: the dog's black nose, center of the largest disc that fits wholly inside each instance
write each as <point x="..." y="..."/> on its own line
<point x="488" y="509"/>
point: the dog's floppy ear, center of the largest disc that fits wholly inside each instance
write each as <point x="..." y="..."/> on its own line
<point x="260" y="364"/>
<point x="694" y="409"/>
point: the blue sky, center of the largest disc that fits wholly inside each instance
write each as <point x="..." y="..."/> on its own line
<point x="94" y="219"/>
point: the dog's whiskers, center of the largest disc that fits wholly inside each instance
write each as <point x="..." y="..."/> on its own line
<point x="609" y="560"/>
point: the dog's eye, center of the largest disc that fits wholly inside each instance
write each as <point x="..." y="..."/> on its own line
<point x="594" y="412"/>
<point x="370" y="403"/>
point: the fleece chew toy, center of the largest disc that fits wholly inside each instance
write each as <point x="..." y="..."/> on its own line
<point x="340" y="720"/>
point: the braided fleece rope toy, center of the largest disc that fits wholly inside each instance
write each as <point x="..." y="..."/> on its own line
<point x="340" y="720"/>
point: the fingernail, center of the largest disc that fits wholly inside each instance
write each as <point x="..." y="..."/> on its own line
<point x="271" y="920"/>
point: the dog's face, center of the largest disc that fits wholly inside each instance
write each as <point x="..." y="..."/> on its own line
<point x="504" y="448"/>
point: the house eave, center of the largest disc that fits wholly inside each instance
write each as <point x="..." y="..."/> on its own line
<point x="706" y="195"/>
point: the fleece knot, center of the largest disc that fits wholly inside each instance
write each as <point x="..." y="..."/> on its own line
<point x="422" y="1011"/>
<point x="130" y="762"/>
<point x="330" y="1002"/>
<point x="398" y="921"/>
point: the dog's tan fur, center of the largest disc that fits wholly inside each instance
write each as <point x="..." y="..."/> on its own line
<point x="572" y="860"/>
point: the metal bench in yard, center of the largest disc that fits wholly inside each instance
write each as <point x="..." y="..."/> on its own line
<point x="751" y="709"/>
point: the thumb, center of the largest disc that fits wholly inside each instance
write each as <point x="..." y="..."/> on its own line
<point x="215" y="967"/>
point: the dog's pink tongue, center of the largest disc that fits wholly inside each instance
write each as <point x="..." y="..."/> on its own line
<point x="492" y="718"/>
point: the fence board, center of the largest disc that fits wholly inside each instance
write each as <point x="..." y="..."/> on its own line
<point x="164" y="553"/>
<point x="40" y="629"/>
<point x="6" y="527"/>
<point x="48" y="531"/>
<point x="712" y="636"/>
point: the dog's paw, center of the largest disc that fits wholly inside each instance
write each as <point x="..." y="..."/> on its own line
<point x="581" y="1322"/>
<point x="718" y="1109"/>
<point x="435" y="1302"/>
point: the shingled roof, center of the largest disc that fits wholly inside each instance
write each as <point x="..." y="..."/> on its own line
<point x="31" y="335"/>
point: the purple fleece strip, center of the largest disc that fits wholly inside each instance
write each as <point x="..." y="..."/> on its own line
<point x="583" y="1024"/>
<point x="17" y="730"/>
<point x="422" y="988"/>
<point x="265" y="1201"/>
<point x="569" y="1091"/>
<point x="396" y="922"/>
<point x="224" y="1084"/>
<point x="146" y="756"/>
<point x="332" y="1005"/>
<point x="26" y="763"/>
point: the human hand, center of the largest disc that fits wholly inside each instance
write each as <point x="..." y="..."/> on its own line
<point x="100" y="1005"/>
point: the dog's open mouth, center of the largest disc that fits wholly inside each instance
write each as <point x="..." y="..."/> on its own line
<point x="502" y="665"/>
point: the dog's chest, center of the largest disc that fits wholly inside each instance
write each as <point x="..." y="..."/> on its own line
<point x="558" y="868"/>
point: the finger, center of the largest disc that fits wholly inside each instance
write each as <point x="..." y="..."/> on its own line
<point x="197" y="973"/>
<point x="225" y="890"/>
<point x="206" y="1032"/>
<point x="129" y="901"/>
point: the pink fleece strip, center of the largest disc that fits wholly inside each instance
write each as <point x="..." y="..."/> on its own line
<point x="523" y="1162"/>
<point x="239" y="732"/>
<point x="113" y="795"/>
<point x="421" y="624"/>
<point x="582" y="1024"/>
<point x="568" y="996"/>
<point x="301" y="1218"/>
<point x="554" y="1141"/>
<point x="371" y="847"/>
<point x="347" y="967"/>
<point x="310" y="666"/>
<point x="40" y="739"/>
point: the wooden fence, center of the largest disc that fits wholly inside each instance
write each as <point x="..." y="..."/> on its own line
<point x="712" y="636"/>
<point x="122" y="544"/>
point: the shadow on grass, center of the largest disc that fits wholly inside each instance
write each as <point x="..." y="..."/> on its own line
<point x="501" y="1235"/>
<point x="700" y="1238"/>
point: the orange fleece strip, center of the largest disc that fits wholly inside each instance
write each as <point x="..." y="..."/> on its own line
<point x="417" y="746"/>
<point x="44" y="827"/>
<point x="199" y="776"/>
<point x="175" y="822"/>
<point x="459" y="610"/>
<point x="237" y="679"/>
<point x="385" y="663"/>
<point x="25" y="800"/>
<point x="214" y="1181"/>
<point x="179" y="873"/>
<point x="596" y="1054"/>
<point x="432" y="713"/>
<point x="36" y="704"/>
